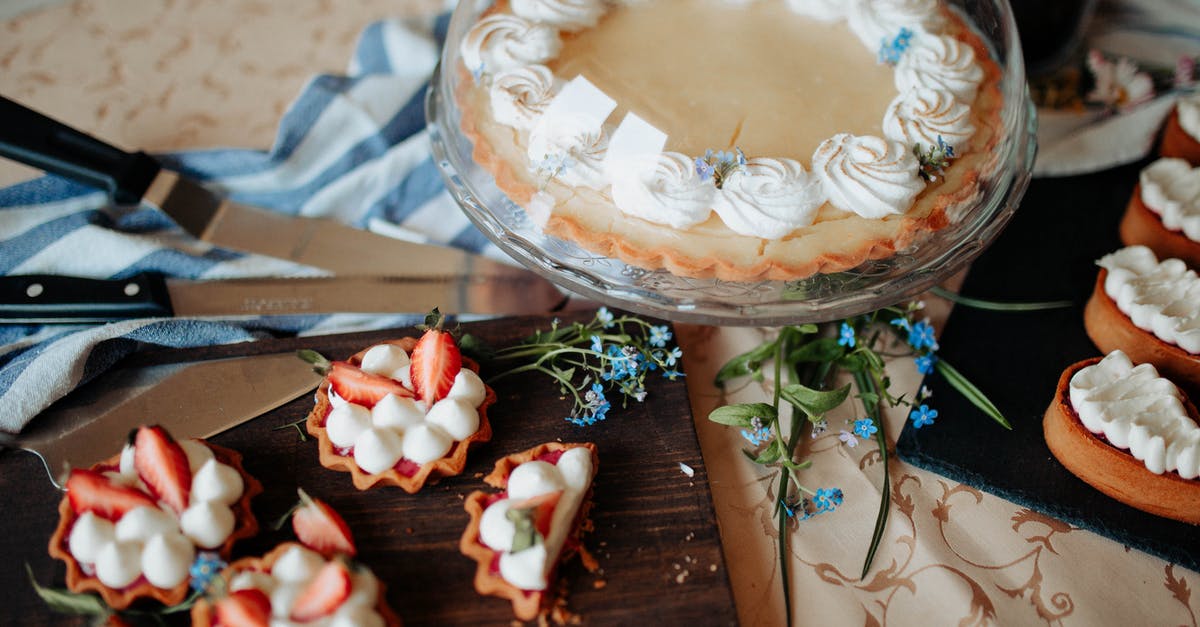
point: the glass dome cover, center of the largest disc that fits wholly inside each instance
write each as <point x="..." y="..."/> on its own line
<point x="718" y="97"/>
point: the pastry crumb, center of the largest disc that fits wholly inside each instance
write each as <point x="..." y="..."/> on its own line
<point x="408" y="530"/>
<point x="599" y="584"/>
<point x="682" y="576"/>
<point x="689" y="536"/>
<point x="687" y="470"/>
<point x="712" y="568"/>
<point x="478" y="475"/>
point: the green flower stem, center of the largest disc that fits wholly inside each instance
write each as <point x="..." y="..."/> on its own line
<point x="992" y="305"/>
<point x="784" y="478"/>
<point x="867" y="382"/>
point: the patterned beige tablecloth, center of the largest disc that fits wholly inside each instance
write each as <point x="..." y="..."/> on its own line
<point x="163" y="75"/>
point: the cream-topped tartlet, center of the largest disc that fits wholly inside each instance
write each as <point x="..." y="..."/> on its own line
<point x="400" y="412"/>
<point x="132" y="526"/>
<point x="1164" y="212"/>
<point x="1130" y="433"/>
<point x="764" y="140"/>
<point x="1181" y="137"/>
<point x="519" y="537"/>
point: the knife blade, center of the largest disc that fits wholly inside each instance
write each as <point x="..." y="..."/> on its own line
<point x="192" y="400"/>
<point x="51" y="299"/>
<point x="37" y="140"/>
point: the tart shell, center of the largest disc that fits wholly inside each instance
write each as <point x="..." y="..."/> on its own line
<point x="202" y="611"/>
<point x="1110" y="329"/>
<point x="79" y="581"/>
<point x="838" y="241"/>
<point x="1113" y="471"/>
<point x="450" y="465"/>
<point x="1141" y="225"/>
<point x="1176" y="142"/>
<point x="526" y="603"/>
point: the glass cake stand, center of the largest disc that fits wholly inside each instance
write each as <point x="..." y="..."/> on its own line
<point x="819" y="298"/>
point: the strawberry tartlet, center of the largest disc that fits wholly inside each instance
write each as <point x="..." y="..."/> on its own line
<point x="519" y="537"/>
<point x="132" y="526"/>
<point x="401" y="412"/>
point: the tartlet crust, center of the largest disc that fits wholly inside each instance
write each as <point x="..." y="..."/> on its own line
<point x="837" y="241"/>
<point x="1110" y="329"/>
<point x="1176" y="142"/>
<point x="1141" y="225"/>
<point x="202" y="611"/>
<point x="79" y="581"/>
<point x="526" y="604"/>
<point x="450" y="465"/>
<point x="1113" y="471"/>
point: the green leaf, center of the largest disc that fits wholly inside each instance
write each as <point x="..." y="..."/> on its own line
<point x="992" y="305"/>
<point x="807" y="329"/>
<point x="319" y="363"/>
<point x="970" y="392"/>
<point x="814" y="402"/>
<point x="869" y="397"/>
<point x="797" y="465"/>
<point x="66" y="602"/>
<point x="820" y="350"/>
<point x="745" y="364"/>
<point x="854" y="362"/>
<point x="771" y="454"/>
<point x="567" y="374"/>
<point x="740" y="415"/>
<point x="475" y="348"/>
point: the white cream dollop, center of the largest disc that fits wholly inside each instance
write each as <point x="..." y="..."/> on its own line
<point x="142" y="523"/>
<point x="119" y="564"/>
<point x="869" y="176"/>
<point x="197" y="453"/>
<point x="769" y="198"/>
<point x="218" y="483"/>
<point x="921" y="116"/>
<point x="939" y="62"/>
<point x="520" y="96"/>
<point x="390" y="361"/>
<point x="396" y="412"/>
<point x="468" y="387"/>
<point x="1188" y="109"/>
<point x="503" y="41"/>
<point x="568" y="15"/>
<point x="88" y="535"/>
<point x="1139" y="411"/>
<point x="879" y="21"/>
<point x="569" y="148"/>
<point x="1160" y="297"/>
<point x="1171" y="188"/>
<point x="823" y="10"/>
<point x="528" y="569"/>
<point x="425" y="443"/>
<point x="297" y="564"/>
<point x="207" y="524"/>
<point x="663" y="188"/>
<point x="166" y="559"/>
<point x="377" y="450"/>
<point x="455" y="416"/>
<point x="345" y="422"/>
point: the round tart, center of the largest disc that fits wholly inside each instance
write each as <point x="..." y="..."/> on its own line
<point x="289" y="576"/>
<point x="1164" y="212"/>
<point x="395" y="435"/>
<point x="106" y="532"/>
<point x="822" y="136"/>
<point x="551" y="485"/>
<point x="1112" y="470"/>
<point x="1111" y="328"/>
<point x="1181" y="136"/>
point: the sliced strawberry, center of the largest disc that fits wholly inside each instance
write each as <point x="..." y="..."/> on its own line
<point x="163" y="466"/>
<point x="542" y="506"/>
<point x="321" y="529"/>
<point x="324" y="594"/>
<point x="435" y="361"/>
<point x="90" y="491"/>
<point x="248" y="607"/>
<point x="361" y="387"/>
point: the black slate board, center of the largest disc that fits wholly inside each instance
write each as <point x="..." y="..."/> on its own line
<point x="1048" y="252"/>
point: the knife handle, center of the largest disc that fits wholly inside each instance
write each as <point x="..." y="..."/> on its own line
<point x="36" y="140"/>
<point x="52" y="299"/>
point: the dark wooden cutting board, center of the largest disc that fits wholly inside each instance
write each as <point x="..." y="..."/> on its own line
<point x="655" y="535"/>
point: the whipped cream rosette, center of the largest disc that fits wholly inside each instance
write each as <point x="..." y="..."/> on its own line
<point x="662" y="198"/>
<point x="132" y="526"/>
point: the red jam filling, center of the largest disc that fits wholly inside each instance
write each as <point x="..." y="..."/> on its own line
<point x="407" y="467"/>
<point x="551" y="458"/>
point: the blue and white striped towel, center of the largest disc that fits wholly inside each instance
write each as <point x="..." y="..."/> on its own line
<point x="351" y="147"/>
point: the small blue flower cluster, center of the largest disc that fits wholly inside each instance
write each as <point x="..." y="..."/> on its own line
<point x="846" y="336"/>
<point x="922" y="416"/>
<point x="554" y="164"/>
<point x="719" y="165"/>
<point x="825" y="500"/>
<point x="922" y="338"/>
<point x="208" y="565"/>
<point x="891" y="51"/>
<point x="595" y="408"/>
<point x="759" y="434"/>
<point x="865" y="427"/>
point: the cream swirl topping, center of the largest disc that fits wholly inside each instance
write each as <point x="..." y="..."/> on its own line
<point x="1139" y="411"/>
<point x="823" y="10"/>
<point x="520" y="96"/>
<point x="869" y="176"/>
<point x="939" y="62"/>
<point x="1171" y="188"/>
<point x="662" y="188"/>
<point x="568" y="15"/>
<point x="1189" y="115"/>
<point x="920" y="116"/>
<point x="503" y="42"/>
<point x="1160" y="297"/>
<point x="570" y="148"/>
<point x="769" y="198"/>
<point x="879" y="21"/>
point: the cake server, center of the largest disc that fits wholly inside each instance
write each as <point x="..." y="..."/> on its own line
<point x="34" y="139"/>
<point x="192" y="400"/>
<point x="49" y="299"/>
